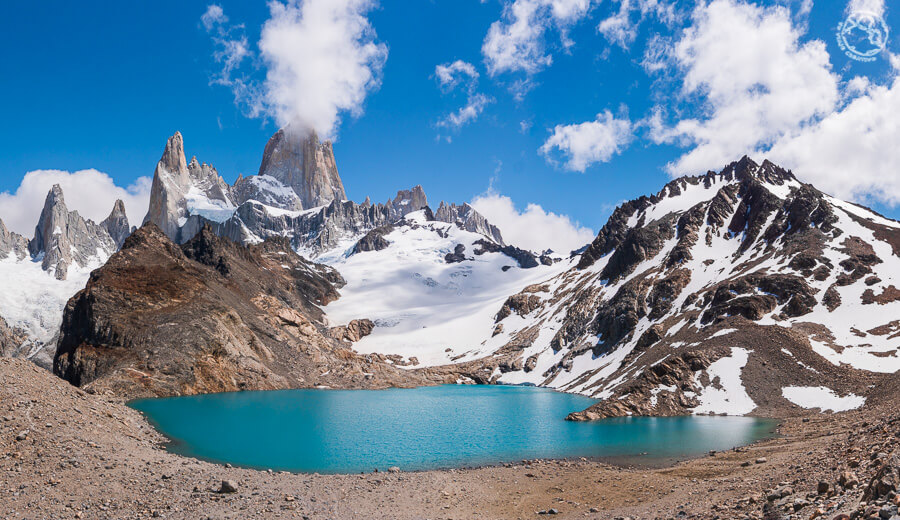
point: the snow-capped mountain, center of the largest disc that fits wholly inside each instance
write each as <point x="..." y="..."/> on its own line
<point x="731" y="292"/>
<point x="298" y="194"/>
<point x="743" y="291"/>
<point x="39" y="275"/>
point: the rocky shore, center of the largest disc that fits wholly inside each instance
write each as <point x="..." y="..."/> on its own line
<point x="65" y="453"/>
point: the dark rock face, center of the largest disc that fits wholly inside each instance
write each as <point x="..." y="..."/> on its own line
<point x="159" y="319"/>
<point x="674" y="372"/>
<point x="373" y="240"/>
<point x="525" y="259"/>
<point x="458" y="255"/>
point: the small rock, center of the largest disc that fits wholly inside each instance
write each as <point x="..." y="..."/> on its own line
<point x="761" y="460"/>
<point x="228" y="486"/>
<point x="22" y="436"/>
<point x="848" y="479"/>
<point x="822" y="488"/>
<point x="393" y="469"/>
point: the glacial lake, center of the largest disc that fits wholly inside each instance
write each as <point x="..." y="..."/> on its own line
<point x="350" y="431"/>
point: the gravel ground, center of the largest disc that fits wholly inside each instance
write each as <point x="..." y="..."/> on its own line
<point x="68" y="454"/>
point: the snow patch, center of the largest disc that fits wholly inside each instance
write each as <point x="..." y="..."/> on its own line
<point x="821" y="397"/>
<point x="731" y="397"/>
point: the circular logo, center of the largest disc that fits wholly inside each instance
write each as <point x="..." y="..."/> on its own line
<point x="862" y="35"/>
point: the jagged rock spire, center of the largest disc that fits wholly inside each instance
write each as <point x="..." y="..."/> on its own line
<point x="297" y="159"/>
<point x="116" y="224"/>
<point x="62" y="238"/>
<point x="175" y="182"/>
<point x="11" y="242"/>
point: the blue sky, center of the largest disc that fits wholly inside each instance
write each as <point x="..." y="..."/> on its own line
<point x="102" y="85"/>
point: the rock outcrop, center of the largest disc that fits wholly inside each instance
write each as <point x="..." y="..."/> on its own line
<point x="62" y="238"/>
<point x="209" y="316"/>
<point x="12" y="244"/>
<point x="297" y="159"/>
<point x="467" y="218"/>
<point x="11" y="339"/>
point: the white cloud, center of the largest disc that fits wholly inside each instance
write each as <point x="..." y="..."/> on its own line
<point x="450" y="75"/>
<point x="875" y="7"/>
<point x="90" y="192"/>
<point x="474" y="107"/>
<point x="321" y="59"/>
<point x="534" y="228"/>
<point x="516" y="43"/>
<point x="852" y="153"/>
<point x="621" y="29"/>
<point x="754" y="80"/>
<point x="590" y="142"/>
<point x="213" y="16"/>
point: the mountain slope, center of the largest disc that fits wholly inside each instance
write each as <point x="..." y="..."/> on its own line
<point x="714" y="296"/>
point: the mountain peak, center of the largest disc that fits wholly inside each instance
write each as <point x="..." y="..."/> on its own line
<point x="173" y="156"/>
<point x="116" y="224"/>
<point x="767" y="172"/>
<point x="299" y="160"/>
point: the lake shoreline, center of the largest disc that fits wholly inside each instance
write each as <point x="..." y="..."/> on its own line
<point x="86" y="456"/>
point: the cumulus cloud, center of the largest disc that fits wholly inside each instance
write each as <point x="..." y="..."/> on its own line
<point x="90" y="192"/>
<point x="516" y="42"/>
<point x="590" y="142"/>
<point x="852" y="153"/>
<point x="321" y="59"/>
<point x="534" y="228"/>
<point x="745" y="66"/>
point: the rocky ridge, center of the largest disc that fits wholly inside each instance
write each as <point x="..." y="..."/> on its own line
<point x="210" y="316"/>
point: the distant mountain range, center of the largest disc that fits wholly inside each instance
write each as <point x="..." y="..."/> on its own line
<point x="731" y="292"/>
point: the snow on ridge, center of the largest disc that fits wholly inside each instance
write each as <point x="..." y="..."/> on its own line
<point x="822" y="397"/>
<point x="424" y="307"/>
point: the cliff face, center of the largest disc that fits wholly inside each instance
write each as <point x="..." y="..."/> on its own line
<point x="208" y="316"/>
<point x="300" y="161"/>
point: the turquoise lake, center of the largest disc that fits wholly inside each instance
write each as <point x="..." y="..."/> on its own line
<point x="349" y="431"/>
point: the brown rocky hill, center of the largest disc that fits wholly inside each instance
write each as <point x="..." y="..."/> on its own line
<point x="209" y="316"/>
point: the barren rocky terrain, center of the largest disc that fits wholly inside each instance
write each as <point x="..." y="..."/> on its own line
<point x="65" y="453"/>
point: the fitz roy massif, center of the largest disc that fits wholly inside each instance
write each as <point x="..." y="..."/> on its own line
<point x="743" y="291"/>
